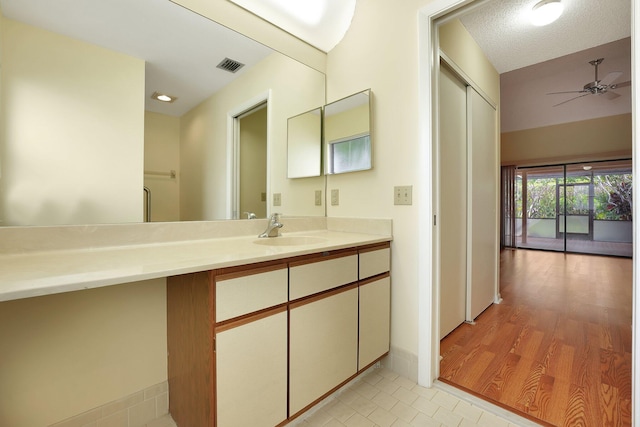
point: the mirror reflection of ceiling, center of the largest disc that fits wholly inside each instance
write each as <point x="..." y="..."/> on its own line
<point x="503" y="31"/>
<point x="321" y="23"/>
<point x="171" y="39"/>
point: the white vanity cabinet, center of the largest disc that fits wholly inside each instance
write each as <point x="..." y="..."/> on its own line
<point x="227" y="342"/>
<point x="259" y="344"/>
<point x="323" y="326"/>
<point x="250" y="347"/>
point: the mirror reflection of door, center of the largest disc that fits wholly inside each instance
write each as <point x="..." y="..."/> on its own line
<point x="252" y="163"/>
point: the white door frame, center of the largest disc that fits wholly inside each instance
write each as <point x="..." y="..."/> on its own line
<point x="428" y="235"/>
<point x="233" y="150"/>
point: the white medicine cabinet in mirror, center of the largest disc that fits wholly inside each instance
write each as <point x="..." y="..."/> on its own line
<point x="347" y="134"/>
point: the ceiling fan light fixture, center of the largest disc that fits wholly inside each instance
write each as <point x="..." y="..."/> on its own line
<point x="545" y="12"/>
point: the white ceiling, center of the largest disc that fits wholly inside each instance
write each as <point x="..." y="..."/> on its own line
<point x="534" y="61"/>
<point x="181" y="48"/>
<point x="503" y="31"/>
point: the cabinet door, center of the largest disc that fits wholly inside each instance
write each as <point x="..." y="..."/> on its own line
<point x="251" y="373"/>
<point x="323" y="346"/>
<point x="375" y="306"/>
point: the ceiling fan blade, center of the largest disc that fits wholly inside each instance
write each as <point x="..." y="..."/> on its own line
<point x="610" y="78"/>
<point x="623" y="84"/>
<point x="568" y="100"/>
<point x="569" y="91"/>
<point x="609" y="95"/>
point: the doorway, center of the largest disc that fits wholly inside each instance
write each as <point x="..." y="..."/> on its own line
<point x="429" y="275"/>
<point x="252" y="163"/>
<point x="248" y="159"/>
<point x="578" y="207"/>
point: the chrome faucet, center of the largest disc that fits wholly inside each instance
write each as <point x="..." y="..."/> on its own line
<point x="272" y="227"/>
<point x="250" y="215"/>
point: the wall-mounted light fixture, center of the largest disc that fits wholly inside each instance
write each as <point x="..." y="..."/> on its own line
<point x="163" y="97"/>
<point x="545" y="12"/>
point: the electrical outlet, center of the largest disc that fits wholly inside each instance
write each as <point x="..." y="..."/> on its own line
<point x="318" y="197"/>
<point x="402" y="195"/>
<point x="277" y="199"/>
<point x="335" y="197"/>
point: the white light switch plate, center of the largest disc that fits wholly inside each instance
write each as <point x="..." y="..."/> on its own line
<point x="335" y="197"/>
<point x="402" y="195"/>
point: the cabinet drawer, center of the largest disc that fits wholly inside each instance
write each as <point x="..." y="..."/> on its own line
<point x="246" y="292"/>
<point x="374" y="262"/>
<point x="311" y="277"/>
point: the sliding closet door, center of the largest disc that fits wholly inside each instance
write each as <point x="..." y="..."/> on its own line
<point x="453" y="200"/>
<point x="483" y="231"/>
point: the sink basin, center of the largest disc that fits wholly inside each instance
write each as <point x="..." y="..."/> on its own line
<point x="290" y="241"/>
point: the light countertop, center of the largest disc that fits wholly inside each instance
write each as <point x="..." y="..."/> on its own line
<point x="42" y="272"/>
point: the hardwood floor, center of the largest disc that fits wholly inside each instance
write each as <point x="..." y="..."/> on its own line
<point x="558" y="348"/>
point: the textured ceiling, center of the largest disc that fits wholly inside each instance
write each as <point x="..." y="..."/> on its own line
<point x="503" y="31"/>
<point x="534" y="61"/>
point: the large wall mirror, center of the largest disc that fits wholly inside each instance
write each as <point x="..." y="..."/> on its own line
<point x="81" y="135"/>
<point x="347" y="134"/>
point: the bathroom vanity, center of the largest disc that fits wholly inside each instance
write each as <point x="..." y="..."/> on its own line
<point x="259" y="344"/>
<point x="254" y="327"/>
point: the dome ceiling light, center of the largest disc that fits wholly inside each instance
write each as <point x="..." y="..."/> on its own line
<point x="321" y="23"/>
<point x="545" y="12"/>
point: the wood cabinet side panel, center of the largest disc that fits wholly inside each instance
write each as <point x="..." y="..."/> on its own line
<point x="190" y="349"/>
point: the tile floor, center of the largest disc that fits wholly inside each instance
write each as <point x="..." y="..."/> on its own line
<point x="381" y="398"/>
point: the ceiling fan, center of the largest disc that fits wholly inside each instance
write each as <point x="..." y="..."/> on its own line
<point x="598" y="87"/>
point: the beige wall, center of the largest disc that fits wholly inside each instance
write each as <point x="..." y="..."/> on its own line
<point x="595" y="139"/>
<point x="67" y="353"/>
<point x="74" y="129"/>
<point x="387" y="62"/>
<point x="458" y="45"/>
<point x="162" y="154"/>
<point x="293" y="88"/>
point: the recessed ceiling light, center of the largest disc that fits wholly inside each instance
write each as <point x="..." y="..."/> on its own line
<point x="163" y="97"/>
<point x="545" y="12"/>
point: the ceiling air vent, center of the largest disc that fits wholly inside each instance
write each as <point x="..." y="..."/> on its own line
<point x="230" y="65"/>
